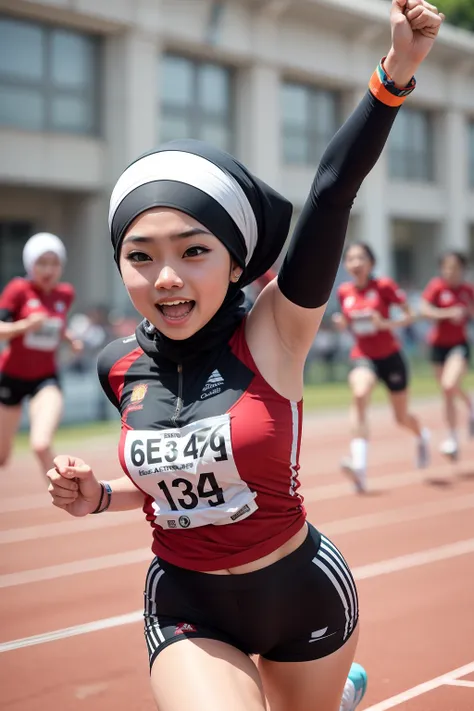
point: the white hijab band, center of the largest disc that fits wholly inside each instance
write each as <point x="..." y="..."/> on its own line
<point x="198" y="172"/>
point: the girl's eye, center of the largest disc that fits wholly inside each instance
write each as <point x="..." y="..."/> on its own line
<point x="195" y="251"/>
<point x="137" y="257"/>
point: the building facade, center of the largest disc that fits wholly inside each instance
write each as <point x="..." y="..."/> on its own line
<point x="88" y="85"/>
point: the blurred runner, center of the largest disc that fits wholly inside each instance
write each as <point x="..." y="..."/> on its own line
<point x="448" y="301"/>
<point x="33" y="314"/>
<point x="376" y="355"/>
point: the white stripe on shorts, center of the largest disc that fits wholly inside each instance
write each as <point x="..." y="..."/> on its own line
<point x="336" y="571"/>
<point x="153" y="634"/>
<point x="340" y="569"/>
<point x="330" y="545"/>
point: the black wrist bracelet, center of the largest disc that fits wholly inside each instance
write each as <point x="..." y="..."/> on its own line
<point x="102" y="492"/>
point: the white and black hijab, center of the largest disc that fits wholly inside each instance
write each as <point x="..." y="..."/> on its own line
<point x="245" y="214"/>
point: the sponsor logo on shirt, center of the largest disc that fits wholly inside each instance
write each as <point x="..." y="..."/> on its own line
<point x="213" y="386"/>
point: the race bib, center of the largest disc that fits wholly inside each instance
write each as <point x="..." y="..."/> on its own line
<point x="362" y="324"/>
<point x="191" y="474"/>
<point x="47" y="338"/>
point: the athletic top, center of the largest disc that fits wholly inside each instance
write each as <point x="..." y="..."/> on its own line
<point x="32" y="356"/>
<point x="440" y="294"/>
<point x="212" y="446"/>
<point x="358" y="306"/>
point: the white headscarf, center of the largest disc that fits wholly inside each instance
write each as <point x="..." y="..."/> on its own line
<point x="40" y="244"/>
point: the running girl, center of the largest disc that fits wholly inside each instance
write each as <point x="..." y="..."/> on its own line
<point x="211" y="403"/>
<point x="376" y="355"/>
<point x="33" y="314"/>
<point x="448" y="300"/>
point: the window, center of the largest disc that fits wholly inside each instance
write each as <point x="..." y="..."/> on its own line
<point x="310" y="119"/>
<point x="13" y="236"/>
<point x="411" y="146"/>
<point x="196" y="101"/>
<point x="471" y="154"/>
<point x="48" y="78"/>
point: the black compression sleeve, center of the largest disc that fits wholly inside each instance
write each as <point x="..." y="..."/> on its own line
<point x="309" y="269"/>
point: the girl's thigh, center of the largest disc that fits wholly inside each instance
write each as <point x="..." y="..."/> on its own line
<point x="205" y="675"/>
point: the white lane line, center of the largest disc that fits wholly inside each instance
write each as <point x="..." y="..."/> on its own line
<point x="413" y="560"/>
<point x="70" y="525"/>
<point x="347" y="525"/>
<point x="461" y="682"/>
<point x="63" y="570"/>
<point x="399" y="515"/>
<point x="116" y="560"/>
<point x="381" y="483"/>
<point x="364" y="572"/>
<point x="104" y="624"/>
<point x="422" y="688"/>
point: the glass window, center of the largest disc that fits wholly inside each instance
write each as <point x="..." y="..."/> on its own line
<point x="411" y="146"/>
<point x="21" y="107"/>
<point x="21" y="50"/>
<point x="310" y="118"/>
<point x="48" y="78"/>
<point x="13" y="235"/>
<point x="214" y="89"/>
<point x="71" y="113"/>
<point x="177" y="84"/>
<point x="71" y="60"/>
<point x="196" y="101"/>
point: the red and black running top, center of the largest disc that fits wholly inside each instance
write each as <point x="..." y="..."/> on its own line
<point x="359" y="305"/>
<point x="214" y="449"/>
<point x="440" y="294"/>
<point x="33" y="355"/>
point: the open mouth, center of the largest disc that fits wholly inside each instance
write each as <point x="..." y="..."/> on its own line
<point x="176" y="310"/>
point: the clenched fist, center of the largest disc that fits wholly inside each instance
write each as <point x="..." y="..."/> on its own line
<point x="73" y="486"/>
<point x="415" y="26"/>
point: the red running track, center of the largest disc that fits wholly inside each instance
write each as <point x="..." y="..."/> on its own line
<point x="71" y="590"/>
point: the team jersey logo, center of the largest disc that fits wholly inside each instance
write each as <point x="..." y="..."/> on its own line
<point x="349" y="301"/>
<point x="60" y="307"/>
<point x="138" y="393"/>
<point x="191" y="474"/>
<point x="446" y="297"/>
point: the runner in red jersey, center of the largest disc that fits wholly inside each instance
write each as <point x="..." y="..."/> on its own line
<point x="448" y="300"/>
<point x="210" y="402"/>
<point x="365" y="305"/>
<point x="33" y="314"/>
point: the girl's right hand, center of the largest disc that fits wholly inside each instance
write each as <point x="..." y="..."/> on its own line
<point x="73" y="486"/>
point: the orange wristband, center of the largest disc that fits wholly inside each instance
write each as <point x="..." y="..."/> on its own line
<point x="384" y="89"/>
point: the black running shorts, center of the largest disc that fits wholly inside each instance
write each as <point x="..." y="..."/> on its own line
<point x="392" y="371"/>
<point x="440" y="354"/>
<point x="300" y="608"/>
<point x="13" y="390"/>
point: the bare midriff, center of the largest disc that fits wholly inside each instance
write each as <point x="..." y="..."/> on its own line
<point x="276" y="555"/>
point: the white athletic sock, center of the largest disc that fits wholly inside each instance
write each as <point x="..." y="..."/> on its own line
<point x="453" y="435"/>
<point x="348" y="697"/>
<point x="359" y="454"/>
